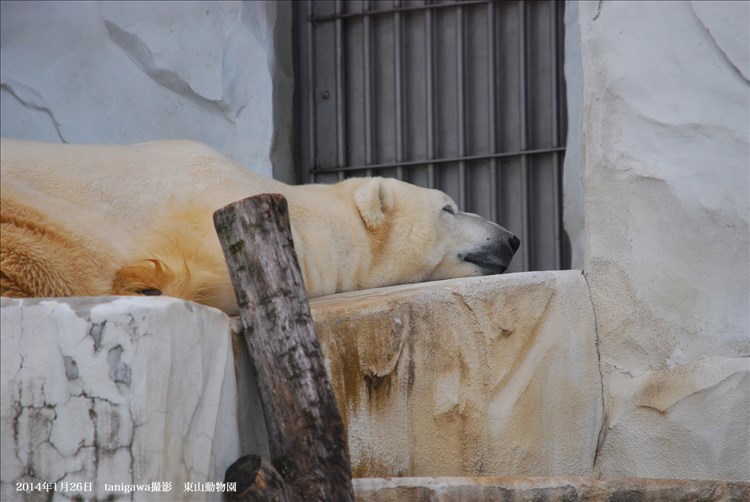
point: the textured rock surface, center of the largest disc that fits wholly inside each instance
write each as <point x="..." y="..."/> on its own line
<point x="535" y="489"/>
<point x="481" y="376"/>
<point x="117" y="391"/>
<point x="125" y="72"/>
<point x="490" y="375"/>
<point x="665" y="171"/>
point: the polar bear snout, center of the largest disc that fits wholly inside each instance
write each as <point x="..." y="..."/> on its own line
<point x="495" y="256"/>
<point x="484" y="247"/>
<point x="515" y="243"/>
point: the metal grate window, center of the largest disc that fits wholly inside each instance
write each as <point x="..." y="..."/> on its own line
<point x="464" y="96"/>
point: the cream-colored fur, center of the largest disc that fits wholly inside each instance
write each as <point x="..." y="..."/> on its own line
<point x="40" y="258"/>
<point x="94" y="219"/>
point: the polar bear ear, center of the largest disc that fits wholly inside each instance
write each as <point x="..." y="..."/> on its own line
<point x="373" y="200"/>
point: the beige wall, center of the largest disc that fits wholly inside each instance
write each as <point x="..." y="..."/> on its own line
<point x="664" y="131"/>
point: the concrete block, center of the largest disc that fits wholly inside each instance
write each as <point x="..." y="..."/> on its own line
<point x="481" y="376"/>
<point x="115" y="391"/>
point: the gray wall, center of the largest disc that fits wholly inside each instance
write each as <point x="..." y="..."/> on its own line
<point x="573" y="219"/>
<point x="127" y="72"/>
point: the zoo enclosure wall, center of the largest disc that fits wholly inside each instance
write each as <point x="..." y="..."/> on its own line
<point x="464" y="96"/>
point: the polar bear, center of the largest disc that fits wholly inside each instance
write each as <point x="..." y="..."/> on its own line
<point x="94" y="220"/>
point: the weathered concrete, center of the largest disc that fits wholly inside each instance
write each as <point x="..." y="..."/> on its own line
<point x="665" y="128"/>
<point x="514" y="489"/>
<point x="487" y="376"/>
<point x="219" y="72"/>
<point x="482" y="376"/>
<point x="115" y="390"/>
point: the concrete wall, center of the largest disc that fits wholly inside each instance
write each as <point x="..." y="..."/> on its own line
<point x="665" y="169"/>
<point x="127" y="72"/>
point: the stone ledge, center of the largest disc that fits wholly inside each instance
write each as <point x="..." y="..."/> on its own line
<point x="495" y="375"/>
<point x="517" y="489"/>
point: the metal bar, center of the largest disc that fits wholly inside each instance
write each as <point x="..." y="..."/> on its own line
<point x="313" y="158"/>
<point x="409" y="8"/>
<point x="468" y="158"/>
<point x="491" y="106"/>
<point x="397" y="53"/>
<point x="367" y="62"/>
<point x="556" y="209"/>
<point x="340" y="104"/>
<point x="430" y="105"/>
<point x="524" y="139"/>
<point x="460" y="71"/>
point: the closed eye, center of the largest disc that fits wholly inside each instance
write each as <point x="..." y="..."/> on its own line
<point x="149" y="292"/>
<point x="449" y="208"/>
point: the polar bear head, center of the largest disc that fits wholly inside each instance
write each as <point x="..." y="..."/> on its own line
<point x="419" y="234"/>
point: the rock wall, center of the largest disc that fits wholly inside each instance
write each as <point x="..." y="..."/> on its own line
<point x="115" y="391"/>
<point x="664" y="126"/>
<point x="127" y="72"/>
<point x="482" y="376"/>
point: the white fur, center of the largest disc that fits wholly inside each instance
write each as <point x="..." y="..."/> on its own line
<point x="155" y="201"/>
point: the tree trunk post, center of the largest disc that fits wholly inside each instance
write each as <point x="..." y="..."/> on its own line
<point x="306" y="433"/>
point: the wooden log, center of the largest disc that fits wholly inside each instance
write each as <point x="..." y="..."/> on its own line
<point x="306" y="433"/>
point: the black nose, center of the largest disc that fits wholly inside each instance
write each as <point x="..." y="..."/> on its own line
<point x="515" y="243"/>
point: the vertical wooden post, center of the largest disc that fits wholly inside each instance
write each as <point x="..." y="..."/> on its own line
<point x="306" y="433"/>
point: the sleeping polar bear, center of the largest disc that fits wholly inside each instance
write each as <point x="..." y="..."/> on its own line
<point x="81" y="220"/>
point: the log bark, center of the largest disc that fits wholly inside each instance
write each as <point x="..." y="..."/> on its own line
<point x="306" y="433"/>
<point x="256" y="480"/>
